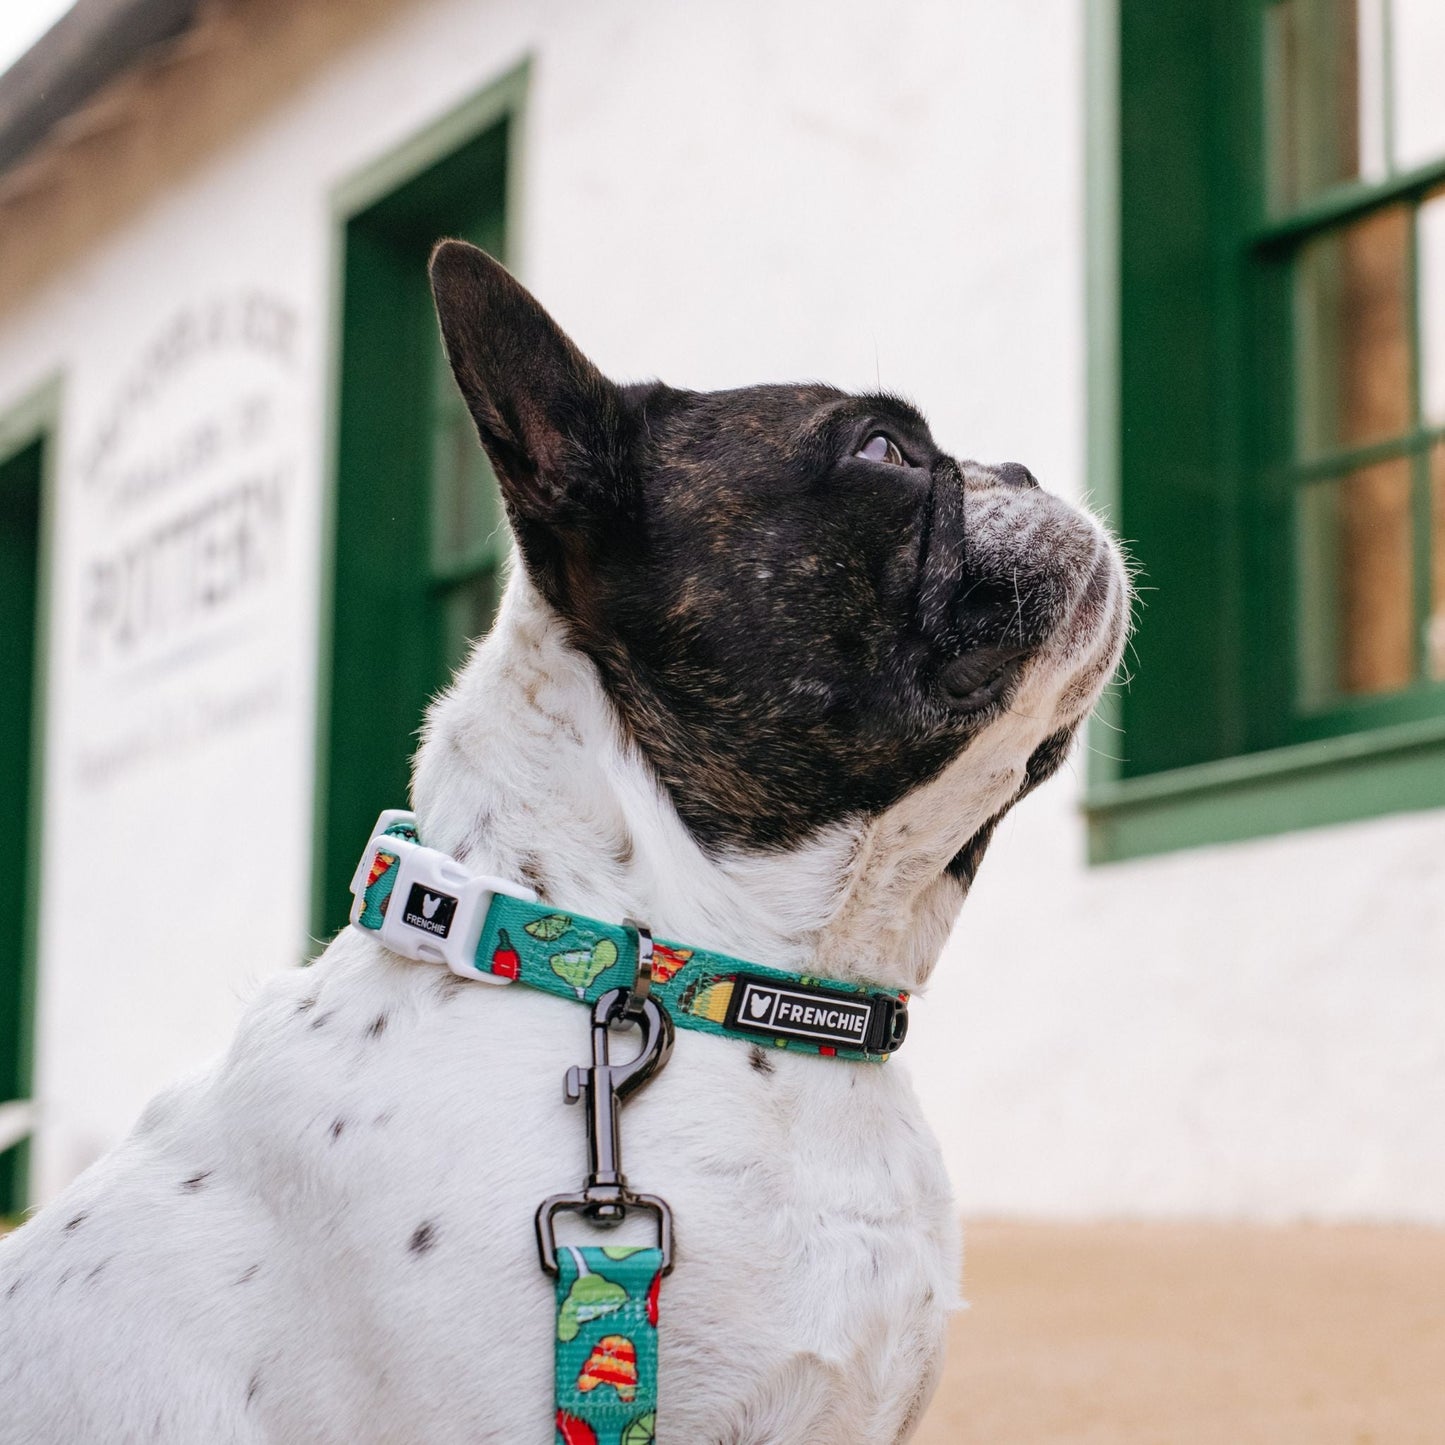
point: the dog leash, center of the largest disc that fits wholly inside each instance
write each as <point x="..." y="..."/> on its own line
<point x="424" y="905"/>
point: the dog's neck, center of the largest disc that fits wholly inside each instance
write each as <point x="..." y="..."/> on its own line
<point x="525" y="772"/>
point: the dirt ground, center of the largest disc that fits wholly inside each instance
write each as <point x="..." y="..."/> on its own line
<point x="1129" y="1334"/>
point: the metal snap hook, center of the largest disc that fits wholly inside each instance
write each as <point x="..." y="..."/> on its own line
<point x="603" y="1088"/>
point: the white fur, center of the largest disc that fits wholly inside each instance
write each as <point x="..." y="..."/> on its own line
<point x="241" y="1268"/>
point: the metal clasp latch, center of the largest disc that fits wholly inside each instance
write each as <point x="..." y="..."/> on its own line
<point x="604" y="1087"/>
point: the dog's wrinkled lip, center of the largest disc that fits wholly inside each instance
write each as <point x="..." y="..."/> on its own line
<point x="978" y="678"/>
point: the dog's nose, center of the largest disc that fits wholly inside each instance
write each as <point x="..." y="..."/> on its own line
<point x="1015" y="474"/>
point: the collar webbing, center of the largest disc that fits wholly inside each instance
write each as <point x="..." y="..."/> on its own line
<point x="424" y="905"/>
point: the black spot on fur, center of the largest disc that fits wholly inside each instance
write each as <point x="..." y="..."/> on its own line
<point x="377" y="1027"/>
<point x="196" y="1181"/>
<point x="424" y="1236"/>
<point x="759" y="1060"/>
<point x="448" y="986"/>
<point x="306" y="1005"/>
<point x="74" y="1224"/>
<point x="252" y="1387"/>
<point x="248" y="1274"/>
<point x="96" y="1272"/>
<point x="529" y="870"/>
<point x="382" y="1119"/>
<point x="320" y="1021"/>
<point x="337" y="1125"/>
<point x="14" y="1288"/>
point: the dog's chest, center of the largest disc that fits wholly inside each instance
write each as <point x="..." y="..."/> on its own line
<point x="815" y="1245"/>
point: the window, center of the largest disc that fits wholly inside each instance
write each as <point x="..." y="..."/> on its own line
<point x="1272" y="178"/>
<point x="419" y="531"/>
<point x="25" y="455"/>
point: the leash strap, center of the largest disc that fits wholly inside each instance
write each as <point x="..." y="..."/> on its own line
<point x="606" y="1360"/>
<point x="425" y="905"/>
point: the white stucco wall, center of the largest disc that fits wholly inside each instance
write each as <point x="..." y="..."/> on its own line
<point x="717" y="195"/>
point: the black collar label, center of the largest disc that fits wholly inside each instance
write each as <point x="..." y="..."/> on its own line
<point x="430" y="912"/>
<point x="795" y="1011"/>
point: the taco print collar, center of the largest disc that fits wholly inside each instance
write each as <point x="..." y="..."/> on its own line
<point x="423" y="904"/>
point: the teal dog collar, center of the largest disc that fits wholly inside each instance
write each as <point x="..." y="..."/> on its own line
<point x="424" y="905"/>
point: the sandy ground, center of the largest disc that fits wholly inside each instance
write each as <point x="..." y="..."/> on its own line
<point x="1129" y="1334"/>
<point x="1156" y="1334"/>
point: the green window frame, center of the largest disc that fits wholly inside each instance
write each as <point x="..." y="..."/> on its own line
<point x="1289" y="517"/>
<point x="418" y="536"/>
<point x="28" y="438"/>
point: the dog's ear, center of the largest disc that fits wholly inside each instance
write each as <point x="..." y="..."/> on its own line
<point x="549" y="420"/>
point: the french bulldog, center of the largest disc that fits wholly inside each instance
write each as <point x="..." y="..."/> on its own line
<point x="769" y="670"/>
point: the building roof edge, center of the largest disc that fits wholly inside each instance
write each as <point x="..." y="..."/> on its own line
<point x="88" y="47"/>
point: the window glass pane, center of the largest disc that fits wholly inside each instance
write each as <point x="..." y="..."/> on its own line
<point x="1352" y="344"/>
<point x="466" y="519"/>
<point x="468" y="609"/>
<point x="1435" y="628"/>
<point x="1356" y="594"/>
<point x="1432" y="303"/>
<point x="1417" y="52"/>
<point x="1326" y="94"/>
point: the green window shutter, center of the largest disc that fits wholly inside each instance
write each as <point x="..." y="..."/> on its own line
<point x="1278" y="411"/>
<point x="420" y="537"/>
<point x="22" y="485"/>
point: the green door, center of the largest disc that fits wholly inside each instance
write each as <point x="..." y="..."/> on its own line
<point x="20" y="481"/>
<point x="420" y="533"/>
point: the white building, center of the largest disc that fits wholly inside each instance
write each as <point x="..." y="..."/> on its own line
<point x="238" y="522"/>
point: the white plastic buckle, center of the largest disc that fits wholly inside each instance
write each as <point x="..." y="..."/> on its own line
<point x="437" y="910"/>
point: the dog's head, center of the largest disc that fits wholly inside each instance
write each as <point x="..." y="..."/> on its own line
<point x="801" y="608"/>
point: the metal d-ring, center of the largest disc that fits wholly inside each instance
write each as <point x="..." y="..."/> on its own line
<point x="642" y="978"/>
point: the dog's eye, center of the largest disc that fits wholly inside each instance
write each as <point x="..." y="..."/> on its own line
<point x="879" y="448"/>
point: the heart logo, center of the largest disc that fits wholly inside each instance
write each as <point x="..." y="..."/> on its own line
<point x="759" y="1004"/>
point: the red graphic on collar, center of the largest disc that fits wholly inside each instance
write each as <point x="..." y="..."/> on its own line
<point x="506" y="961"/>
<point x="667" y="961"/>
